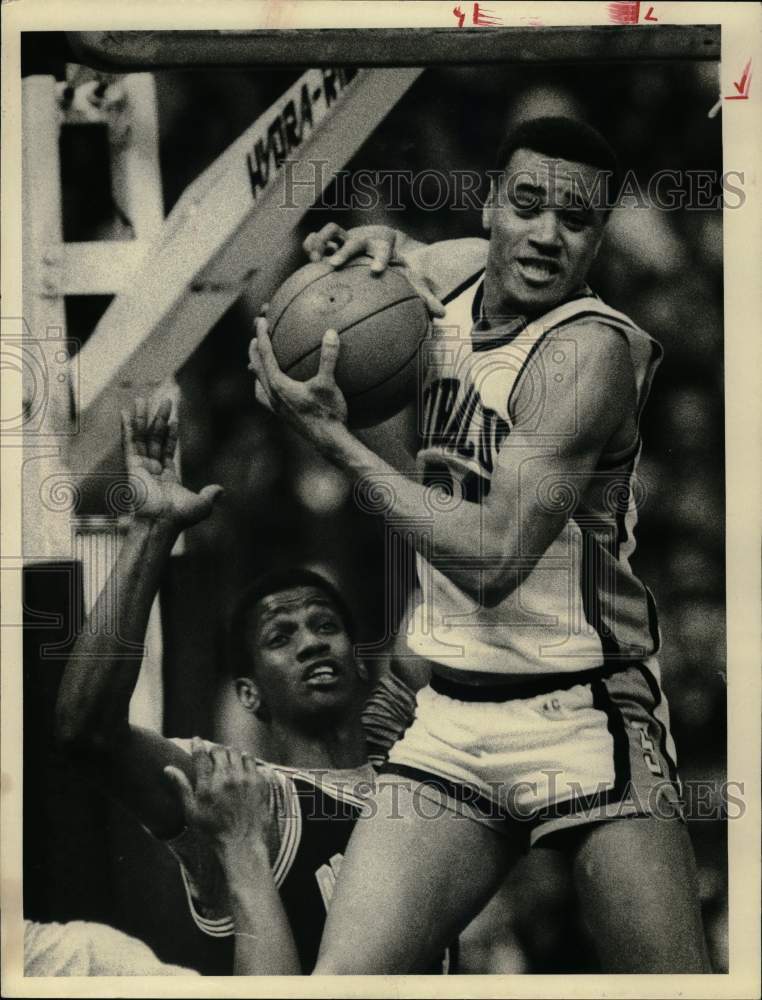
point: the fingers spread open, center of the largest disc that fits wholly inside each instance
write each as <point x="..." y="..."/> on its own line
<point x="158" y="430"/>
<point x="353" y="247"/>
<point x="256" y="366"/>
<point x="181" y="784"/>
<point x="329" y="354"/>
<point x="381" y="251"/>
<point x="202" y="762"/>
<point x="211" y="492"/>
<point x="139" y="424"/>
<point x="235" y="763"/>
<point x="262" y="397"/>
<point x="170" y="444"/>
<point x="270" y="364"/>
<point x="220" y="758"/>
<point x="128" y="445"/>
<point x="315" y="244"/>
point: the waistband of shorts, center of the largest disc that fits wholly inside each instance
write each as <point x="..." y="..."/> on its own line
<point x="512" y="690"/>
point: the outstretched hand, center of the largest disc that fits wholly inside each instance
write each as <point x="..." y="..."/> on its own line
<point x="315" y="407"/>
<point x="381" y="243"/>
<point x="229" y="799"/>
<point x="149" y="452"/>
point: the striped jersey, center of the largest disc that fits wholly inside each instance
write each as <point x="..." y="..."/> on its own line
<point x="312" y="815"/>
<point x="581" y="605"/>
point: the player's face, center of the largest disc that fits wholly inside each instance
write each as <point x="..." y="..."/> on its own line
<point x="305" y="663"/>
<point x="543" y="234"/>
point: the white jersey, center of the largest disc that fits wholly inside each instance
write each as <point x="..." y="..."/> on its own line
<point x="581" y="606"/>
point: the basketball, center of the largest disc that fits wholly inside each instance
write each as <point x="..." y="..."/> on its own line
<point x="380" y="320"/>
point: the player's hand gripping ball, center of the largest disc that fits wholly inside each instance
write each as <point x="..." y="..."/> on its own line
<point x="380" y="320"/>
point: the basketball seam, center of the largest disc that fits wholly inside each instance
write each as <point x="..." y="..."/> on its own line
<point x="350" y="263"/>
<point x="390" y="305"/>
<point x="388" y="378"/>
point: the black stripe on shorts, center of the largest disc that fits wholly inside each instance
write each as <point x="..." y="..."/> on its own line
<point x="459" y="791"/>
<point x="507" y="691"/>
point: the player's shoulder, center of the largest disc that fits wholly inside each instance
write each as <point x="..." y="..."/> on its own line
<point x="588" y="315"/>
<point x="451" y="263"/>
<point x="591" y="356"/>
<point x="599" y="333"/>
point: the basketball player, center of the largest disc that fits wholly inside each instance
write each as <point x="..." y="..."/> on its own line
<point x="295" y="671"/>
<point x="544" y="719"/>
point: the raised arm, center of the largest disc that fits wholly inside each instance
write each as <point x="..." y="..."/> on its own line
<point x="487" y="548"/>
<point x="226" y="800"/>
<point x="92" y="725"/>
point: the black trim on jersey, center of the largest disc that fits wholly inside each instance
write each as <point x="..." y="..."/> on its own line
<point x="657" y="353"/>
<point x="653" y="620"/>
<point x="482" y="342"/>
<point x="656" y="694"/>
<point x="501" y="692"/>
<point x="622" y="511"/>
<point x="480" y="329"/>
<point x="584" y="293"/>
<point x="462" y="287"/>
<point x="477" y="301"/>
<point x="591" y="597"/>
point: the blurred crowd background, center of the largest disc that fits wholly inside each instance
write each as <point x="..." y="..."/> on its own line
<point x="284" y="505"/>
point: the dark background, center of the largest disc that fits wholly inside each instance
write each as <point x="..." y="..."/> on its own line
<point x="86" y="859"/>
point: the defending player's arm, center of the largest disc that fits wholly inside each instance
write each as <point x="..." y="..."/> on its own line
<point x="227" y="802"/>
<point x="93" y="701"/>
<point x="487" y="548"/>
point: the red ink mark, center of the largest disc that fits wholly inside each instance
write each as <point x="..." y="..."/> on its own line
<point x="533" y="22"/>
<point x="648" y="15"/>
<point x="480" y="16"/>
<point x="485" y="17"/>
<point x="624" y="13"/>
<point x="742" y="86"/>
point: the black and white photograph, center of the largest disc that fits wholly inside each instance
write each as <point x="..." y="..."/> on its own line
<point x="382" y="444"/>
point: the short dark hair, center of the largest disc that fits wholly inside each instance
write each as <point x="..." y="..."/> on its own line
<point x="565" y="139"/>
<point x="269" y="583"/>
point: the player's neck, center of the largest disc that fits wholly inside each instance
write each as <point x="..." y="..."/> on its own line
<point x="336" y="747"/>
<point x="498" y="310"/>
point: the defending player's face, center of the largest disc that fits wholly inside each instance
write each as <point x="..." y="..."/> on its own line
<point x="305" y="662"/>
<point x="544" y="233"/>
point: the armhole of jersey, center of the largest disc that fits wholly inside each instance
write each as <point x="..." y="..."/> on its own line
<point x="588" y="307"/>
<point x="220" y="927"/>
<point x="462" y="287"/>
<point x="291" y="833"/>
